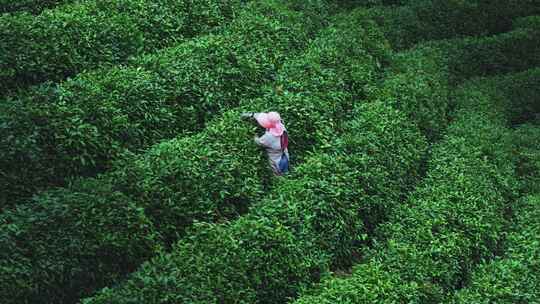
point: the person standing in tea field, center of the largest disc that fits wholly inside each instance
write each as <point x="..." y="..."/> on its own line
<point x="275" y="140"/>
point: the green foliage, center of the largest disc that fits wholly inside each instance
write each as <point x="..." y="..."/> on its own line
<point x="452" y="221"/>
<point x="423" y="20"/>
<point x="514" y="51"/>
<point x="84" y="35"/>
<point x="219" y="172"/>
<point x="355" y="288"/>
<point x="513" y="278"/>
<point x="248" y="261"/>
<point x="418" y="84"/>
<point x="209" y="176"/>
<point x="528" y="156"/>
<point x="80" y="126"/>
<point x="527" y="22"/>
<point x="359" y="119"/>
<point x="319" y="210"/>
<point x="514" y="94"/>
<point x="32" y="6"/>
<point x="79" y="240"/>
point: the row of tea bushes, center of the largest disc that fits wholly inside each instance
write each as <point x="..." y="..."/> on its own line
<point x="31" y="6"/>
<point x="80" y="126"/>
<point x="514" y="277"/>
<point x="516" y="93"/>
<point x="210" y="176"/>
<point x="416" y="21"/>
<point x="419" y="77"/>
<point x="453" y="221"/>
<point x="83" y="35"/>
<point x="528" y="156"/>
<point x="509" y="52"/>
<point x="417" y="83"/>
<point x="527" y="22"/>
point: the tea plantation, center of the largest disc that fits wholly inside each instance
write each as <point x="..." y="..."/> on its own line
<point x="127" y="174"/>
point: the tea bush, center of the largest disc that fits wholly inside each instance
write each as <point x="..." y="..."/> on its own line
<point x="80" y="126"/>
<point x="514" y="94"/>
<point x="514" y="51"/>
<point x="417" y="83"/>
<point x="77" y="239"/>
<point x="527" y="22"/>
<point x="418" y="21"/>
<point x="84" y="35"/>
<point x="32" y="6"/>
<point x="514" y="277"/>
<point x="528" y="157"/>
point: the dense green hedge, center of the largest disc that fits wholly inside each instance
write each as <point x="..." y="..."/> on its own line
<point x="419" y="78"/>
<point x="514" y="277"/>
<point x="423" y="20"/>
<point x="74" y="239"/>
<point x="81" y="36"/>
<point x="527" y="22"/>
<point x="80" y="126"/>
<point x="517" y="50"/>
<point x="515" y="94"/>
<point x="417" y="83"/>
<point x="32" y="6"/>
<point x="452" y="221"/>
<point x="528" y="157"/>
<point x="316" y="216"/>
<point x="218" y="172"/>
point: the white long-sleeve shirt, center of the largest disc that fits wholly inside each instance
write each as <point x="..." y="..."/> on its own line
<point x="272" y="144"/>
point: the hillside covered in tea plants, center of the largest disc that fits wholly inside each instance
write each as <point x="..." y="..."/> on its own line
<point x="127" y="174"/>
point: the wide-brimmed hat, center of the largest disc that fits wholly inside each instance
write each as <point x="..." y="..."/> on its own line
<point x="272" y="122"/>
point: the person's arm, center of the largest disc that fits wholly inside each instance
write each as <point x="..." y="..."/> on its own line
<point x="264" y="141"/>
<point x="247" y="115"/>
<point x="259" y="140"/>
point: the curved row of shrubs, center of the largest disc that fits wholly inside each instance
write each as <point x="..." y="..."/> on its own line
<point x="528" y="157"/>
<point x="416" y="21"/>
<point x="417" y="83"/>
<point x="514" y="277"/>
<point x="213" y="175"/>
<point x="509" y="52"/>
<point x="84" y="35"/>
<point x="517" y="94"/>
<point x="527" y="22"/>
<point x="80" y="126"/>
<point x="31" y="6"/>
<point x="456" y="60"/>
<point x="452" y="222"/>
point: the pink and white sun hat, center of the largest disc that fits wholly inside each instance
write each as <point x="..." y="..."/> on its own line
<point x="272" y="122"/>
